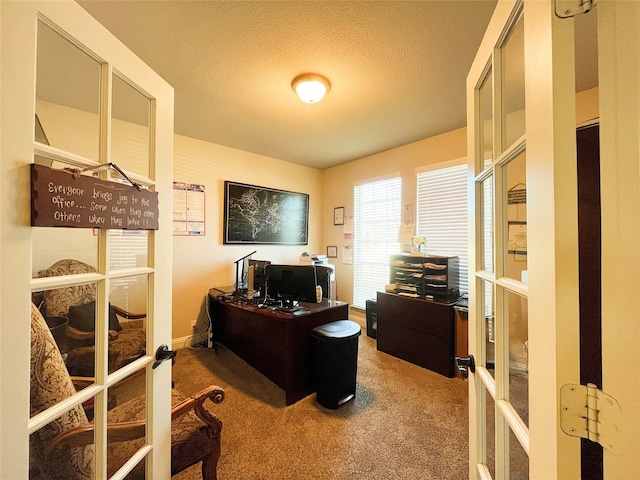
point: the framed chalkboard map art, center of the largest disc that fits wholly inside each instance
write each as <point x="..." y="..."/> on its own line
<point x="261" y="215"/>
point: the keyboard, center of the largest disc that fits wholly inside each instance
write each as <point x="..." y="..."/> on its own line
<point x="287" y="309"/>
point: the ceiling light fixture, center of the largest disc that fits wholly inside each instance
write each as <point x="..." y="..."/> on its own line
<point x="310" y="87"/>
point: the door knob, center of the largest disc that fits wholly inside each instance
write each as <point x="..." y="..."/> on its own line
<point x="466" y="364"/>
<point x="162" y="354"/>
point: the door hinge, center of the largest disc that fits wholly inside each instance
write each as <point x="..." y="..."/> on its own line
<point x="571" y="8"/>
<point x="587" y="412"/>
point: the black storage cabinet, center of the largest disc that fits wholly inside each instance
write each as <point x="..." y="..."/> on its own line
<point x="335" y="352"/>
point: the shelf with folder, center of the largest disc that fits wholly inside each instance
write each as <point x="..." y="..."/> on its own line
<point x="430" y="276"/>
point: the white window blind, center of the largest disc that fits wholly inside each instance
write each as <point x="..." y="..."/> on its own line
<point x="377" y="218"/>
<point x="129" y="249"/>
<point x="487" y="234"/>
<point x="442" y="214"/>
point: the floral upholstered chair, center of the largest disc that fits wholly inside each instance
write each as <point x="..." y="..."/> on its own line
<point x="64" y="450"/>
<point x="77" y="305"/>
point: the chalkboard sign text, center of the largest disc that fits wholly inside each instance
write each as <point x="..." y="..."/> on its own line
<point x="61" y="199"/>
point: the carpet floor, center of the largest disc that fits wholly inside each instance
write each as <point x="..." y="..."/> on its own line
<point x="405" y="422"/>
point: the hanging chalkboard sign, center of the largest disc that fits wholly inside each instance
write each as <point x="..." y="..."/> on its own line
<point x="64" y="199"/>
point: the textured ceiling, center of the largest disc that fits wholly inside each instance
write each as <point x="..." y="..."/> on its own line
<point x="397" y="69"/>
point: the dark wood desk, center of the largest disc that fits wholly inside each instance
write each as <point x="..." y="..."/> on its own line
<point x="277" y="344"/>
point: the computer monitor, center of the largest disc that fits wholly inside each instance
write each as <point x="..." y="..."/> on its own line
<point x="290" y="283"/>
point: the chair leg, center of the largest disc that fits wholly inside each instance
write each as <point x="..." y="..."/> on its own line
<point x="210" y="464"/>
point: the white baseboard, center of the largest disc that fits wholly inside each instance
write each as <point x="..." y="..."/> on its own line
<point x="188" y="340"/>
<point x="184" y="342"/>
<point x="181" y="342"/>
<point x="518" y="367"/>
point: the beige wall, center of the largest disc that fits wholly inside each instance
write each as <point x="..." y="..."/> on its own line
<point x="338" y="183"/>
<point x="200" y="263"/>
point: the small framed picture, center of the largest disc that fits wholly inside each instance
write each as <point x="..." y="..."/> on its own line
<point x="517" y="238"/>
<point x="332" y="252"/>
<point x="338" y="216"/>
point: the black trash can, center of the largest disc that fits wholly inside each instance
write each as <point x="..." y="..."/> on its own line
<point x="335" y="350"/>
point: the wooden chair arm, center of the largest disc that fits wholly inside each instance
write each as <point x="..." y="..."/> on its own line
<point x="82" y="382"/>
<point x="77" y="334"/>
<point x="196" y="402"/>
<point x="119" y="432"/>
<point x="128" y="315"/>
<point x="81" y="335"/>
<point x="84" y="435"/>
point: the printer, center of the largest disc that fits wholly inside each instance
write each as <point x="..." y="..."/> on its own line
<point x="313" y="259"/>
<point x="321" y="261"/>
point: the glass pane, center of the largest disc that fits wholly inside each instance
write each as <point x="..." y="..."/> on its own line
<point x="487" y="223"/>
<point x="56" y="325"/>
<point x="62" y="462"/>
<point x="127" y="403"/>
<point x="67" y="95"/>
<point x="58" y="164"/>
<point x="49" y="385"/>
<point x="130" y="294"/>
<point x="54" y="249"/>
<point x="518" y="354"/>
<point x="130" y="128"/>
<point x="486" y="119"/>
<point x="518" y="459"/>
<point x="513" y="85"/>
<point x="491" y="434"/>
<point x="51" y="245"/>
<point x="78" y="306"/>
<point x="488" y="303"/>
<point x="127" y="320"/>
<point x="515" y="181"/>
<point x="129" y="249"/>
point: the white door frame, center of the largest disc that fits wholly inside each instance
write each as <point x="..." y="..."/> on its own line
<point x="551" y="290"/>
<point x="18" y="34"/>
<point x="619" y="80"/>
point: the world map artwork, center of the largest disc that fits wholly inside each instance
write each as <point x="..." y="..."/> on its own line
<point x="262" y="215"/>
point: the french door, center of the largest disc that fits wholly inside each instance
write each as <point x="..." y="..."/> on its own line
<point x="74" y="97"/>
<point x="523" y="285"/>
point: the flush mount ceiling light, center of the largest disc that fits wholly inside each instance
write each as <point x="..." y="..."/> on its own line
<point x="310" y="87"/>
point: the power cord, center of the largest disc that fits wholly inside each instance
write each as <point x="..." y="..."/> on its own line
<point x="203" y="336"/>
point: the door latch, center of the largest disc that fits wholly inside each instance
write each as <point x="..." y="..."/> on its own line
<point x="163" y="354"/>
<point x="465" y="365"/>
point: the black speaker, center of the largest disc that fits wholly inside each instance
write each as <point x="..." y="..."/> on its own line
<point x="372" y="318"/>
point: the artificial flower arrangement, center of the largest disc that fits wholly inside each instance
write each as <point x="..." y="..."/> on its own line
<point x="417" y="243"/>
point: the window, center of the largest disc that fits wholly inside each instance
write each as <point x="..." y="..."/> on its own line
<point x="377" y="206"/>
<point x="442" y="214"/>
